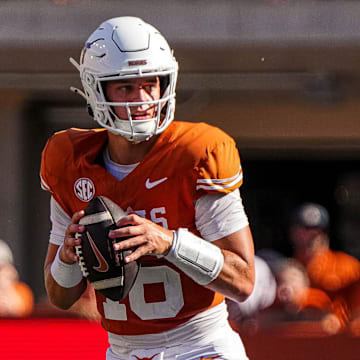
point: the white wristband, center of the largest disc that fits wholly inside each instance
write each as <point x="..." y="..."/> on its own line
<point x="197" y="258"/>
<point x="66" y="275"/>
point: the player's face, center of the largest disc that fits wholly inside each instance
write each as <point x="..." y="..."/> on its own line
<point x="305" y="241"/>
<point x="292" y="283"/>
<point x="134" y="90"/>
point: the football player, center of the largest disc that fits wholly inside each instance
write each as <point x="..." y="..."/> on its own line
<point x="179" y="183"/>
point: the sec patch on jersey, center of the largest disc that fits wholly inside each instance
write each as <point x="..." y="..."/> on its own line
<point x="100" y="263"/>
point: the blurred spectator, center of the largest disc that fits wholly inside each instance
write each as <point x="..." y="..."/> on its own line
<point x="298" y="299"/>
<point x="271" y="257"/>
<point x="336" y="273"/>
<point x="295" y="299"/>
<point x="242" y="316"/>
<point x="16" y="298"/>
<point x="282" y="293"/>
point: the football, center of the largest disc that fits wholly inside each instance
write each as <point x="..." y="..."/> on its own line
<point x="100" y="263"/>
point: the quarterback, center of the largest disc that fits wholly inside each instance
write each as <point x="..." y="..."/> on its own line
<point x="178" y="183"/>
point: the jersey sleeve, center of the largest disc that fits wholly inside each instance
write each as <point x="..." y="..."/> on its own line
<point x="44" y="183"/>
<point x="56" y="156"/>
<point x="220" y="169"/>
<point x="51" y="159"/>
<point x="219" y="215"/>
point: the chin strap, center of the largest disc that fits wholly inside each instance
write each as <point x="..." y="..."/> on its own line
<point x="72" y="88"/>
<point x="78" y="91"/>
<point x="75" y="63"/>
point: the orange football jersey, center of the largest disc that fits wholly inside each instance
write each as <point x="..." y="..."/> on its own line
<point x="187" y="161"/>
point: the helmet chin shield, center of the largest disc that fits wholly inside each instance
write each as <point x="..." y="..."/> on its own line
<point x="128" y="48"/>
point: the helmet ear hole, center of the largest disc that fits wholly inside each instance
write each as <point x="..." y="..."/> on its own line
<point x="164" y="83"/>
<point x="90" y="110"/>
<point x="164" y="91"/>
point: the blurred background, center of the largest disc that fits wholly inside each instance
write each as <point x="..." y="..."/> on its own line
<point x="280" y="76"/>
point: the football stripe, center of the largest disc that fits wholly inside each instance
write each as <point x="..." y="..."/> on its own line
<point x="95" y="218"/>
<point x="108" y="283"/>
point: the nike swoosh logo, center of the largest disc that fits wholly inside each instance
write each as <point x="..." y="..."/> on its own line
<point x="150" y="184"/>
<point x="103" y="265"/>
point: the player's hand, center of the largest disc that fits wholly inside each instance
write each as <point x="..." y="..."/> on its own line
<point x="67" y="252"/>
<point x="146" y="237"/>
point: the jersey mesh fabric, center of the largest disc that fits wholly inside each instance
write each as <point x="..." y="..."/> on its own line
<point x="192" y="160"/>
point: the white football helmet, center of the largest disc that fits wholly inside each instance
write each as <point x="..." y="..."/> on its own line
<point x="123" y="48"/>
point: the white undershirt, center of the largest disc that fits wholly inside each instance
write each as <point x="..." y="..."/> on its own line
<point x="115" y="169"/>
<point x="216" y="215"/>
